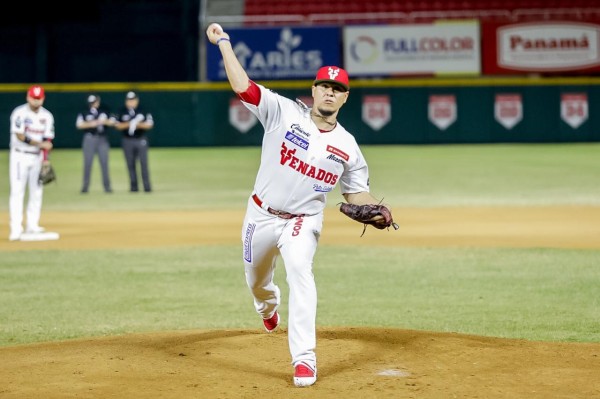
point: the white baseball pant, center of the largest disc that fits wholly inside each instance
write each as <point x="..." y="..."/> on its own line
<point x="24" y="171"/>
<point x="264" y="238"/>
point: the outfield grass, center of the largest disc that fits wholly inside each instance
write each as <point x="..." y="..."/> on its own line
<point x="207" y="178"/>
<point x="539" y="294"/>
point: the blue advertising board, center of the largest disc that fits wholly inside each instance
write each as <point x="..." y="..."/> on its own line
<point x="279" y="53"/>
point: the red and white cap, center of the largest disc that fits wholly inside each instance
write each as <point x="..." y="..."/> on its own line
<point x="332" y="74"/>
<point x="36" y="92"/>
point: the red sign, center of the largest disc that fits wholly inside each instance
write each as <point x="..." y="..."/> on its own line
<point x="337" y="152"/>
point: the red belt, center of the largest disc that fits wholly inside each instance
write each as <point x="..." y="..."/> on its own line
<point x="281" y="214"/>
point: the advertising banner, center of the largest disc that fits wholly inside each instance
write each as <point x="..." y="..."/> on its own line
<point x="574" y="108"/>
<point x="240" y="117"/>
<point x="439" y="48"/>
<point x="376" y="110"/>
<point x="442" y="110"/>
<point x="278" y="53"/>
<point x="541" y="47"/>
<point x="508" y="109"/>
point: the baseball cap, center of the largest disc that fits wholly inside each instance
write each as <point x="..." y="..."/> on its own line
<point x="131" y="95"/>
<point x="332" y="74"/>
<point x="36" y="92"/>
<point x="92" y="98"/>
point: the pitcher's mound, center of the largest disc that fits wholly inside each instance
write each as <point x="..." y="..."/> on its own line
<point x="352" y="363"/>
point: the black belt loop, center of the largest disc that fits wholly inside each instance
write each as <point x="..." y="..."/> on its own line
<point x="279" y="214"/>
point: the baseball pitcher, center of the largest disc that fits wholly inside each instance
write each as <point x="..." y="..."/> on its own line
<point x="306" y="152"/>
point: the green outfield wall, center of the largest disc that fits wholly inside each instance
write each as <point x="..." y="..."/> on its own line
<point x="198" y="114"/>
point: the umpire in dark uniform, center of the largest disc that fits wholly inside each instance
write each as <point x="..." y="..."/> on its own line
<point x="135" y="123"/>
<point x="93" y="123"/>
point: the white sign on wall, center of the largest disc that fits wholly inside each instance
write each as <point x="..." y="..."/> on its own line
<point x="442" y="110"/>
<point x="508" y="109"/>
<point x="376" y="111"/>
<point x="420" y="49"/>
<point x="240" y="117"/>
<point x="549" y="46"/>
<point x="574" y="108"/>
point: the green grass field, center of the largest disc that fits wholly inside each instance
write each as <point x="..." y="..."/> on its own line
<point x="537" y="293"/>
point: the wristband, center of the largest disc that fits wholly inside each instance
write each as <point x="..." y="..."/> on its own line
<point x="221" y="39"/>
<point x="27" y="140"/>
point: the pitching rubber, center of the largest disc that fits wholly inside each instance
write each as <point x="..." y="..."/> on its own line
<point x="45" y="236"/>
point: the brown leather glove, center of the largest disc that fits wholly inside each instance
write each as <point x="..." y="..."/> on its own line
<point x="376" y="215"/>
<point x="47" y="174"/>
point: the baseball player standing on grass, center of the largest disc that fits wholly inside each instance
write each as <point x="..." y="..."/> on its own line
<point x="93" y="123"/>
<point x="305" y="153"/>
<point x="32" y="131"/>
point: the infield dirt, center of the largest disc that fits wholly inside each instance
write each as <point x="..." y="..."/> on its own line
<point x="353" y="362"/>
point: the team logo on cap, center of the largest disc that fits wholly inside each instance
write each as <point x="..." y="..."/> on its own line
<point x="333" y="73"/>
<point x="36" y="92"/>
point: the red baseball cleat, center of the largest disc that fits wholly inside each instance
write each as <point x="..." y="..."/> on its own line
<point x="304" y="375"/>
<point x="273" y="323"/>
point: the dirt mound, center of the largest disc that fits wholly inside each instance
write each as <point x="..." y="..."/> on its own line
<point x="353" y="362"/>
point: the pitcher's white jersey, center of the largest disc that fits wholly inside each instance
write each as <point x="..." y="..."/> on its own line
<point x="36" y="126"/>
<point x="300" y="164"/>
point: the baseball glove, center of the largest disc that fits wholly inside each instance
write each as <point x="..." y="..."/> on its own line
<point x="376" y="215"/>
<point x="47" y="174"/>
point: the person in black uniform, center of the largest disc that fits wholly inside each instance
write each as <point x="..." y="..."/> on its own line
<point x="93" y="123"/>
<point x="135" y="123"/>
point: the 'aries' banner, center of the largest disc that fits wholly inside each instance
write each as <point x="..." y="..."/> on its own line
<point x="424" y="49"/>
<point x="278" y="53"/>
